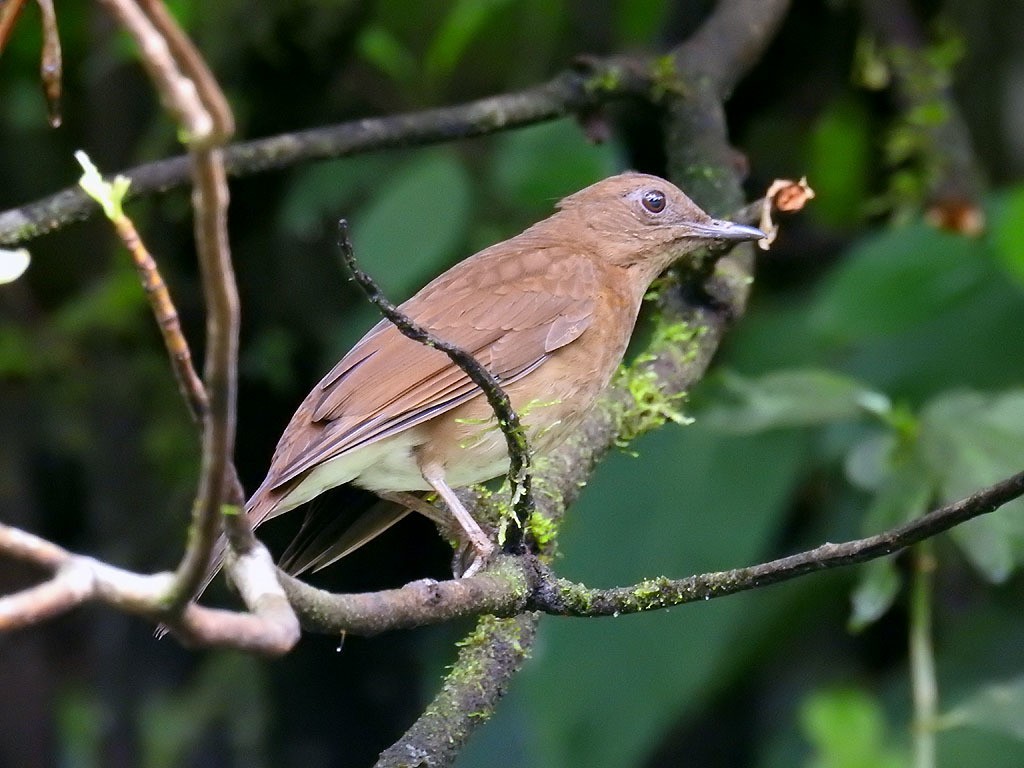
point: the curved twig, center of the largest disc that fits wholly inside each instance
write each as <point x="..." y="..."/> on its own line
<point x="271" y="628"/>
<point x="508" y="419"/>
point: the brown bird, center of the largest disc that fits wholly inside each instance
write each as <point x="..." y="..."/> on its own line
<point x="548" y="312"/>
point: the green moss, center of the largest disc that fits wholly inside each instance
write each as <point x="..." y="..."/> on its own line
<point x="576" y="596"/>
<point x="677" y="339"/>
<point x="665" y="79"/>
<point x="605" y="80"/>
<point x="650" y="593"/>
<point x="495" y="508"/>
<point x="650" y="405"/>
<point x="481" y="633"/>
<point x="541" y="528"/>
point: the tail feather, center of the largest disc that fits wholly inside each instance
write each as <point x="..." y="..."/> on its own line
<point x="327" y="536"/>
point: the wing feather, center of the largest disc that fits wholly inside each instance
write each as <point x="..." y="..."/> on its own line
<point x="511" y="312"/>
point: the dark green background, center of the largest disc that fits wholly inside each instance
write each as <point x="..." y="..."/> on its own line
<point x="97" y="451"/>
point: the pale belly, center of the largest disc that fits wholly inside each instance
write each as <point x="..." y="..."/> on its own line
<point x="467" y="441"/>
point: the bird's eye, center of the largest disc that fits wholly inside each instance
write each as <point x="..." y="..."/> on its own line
<point x="654" y="200"/>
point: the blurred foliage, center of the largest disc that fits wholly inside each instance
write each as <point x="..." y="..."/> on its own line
<point x="877" y="373"/>
<point x="229" y="689"/>
<point x="848" y="730"/>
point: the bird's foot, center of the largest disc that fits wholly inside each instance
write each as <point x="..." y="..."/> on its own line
<point x="469" y="560"/>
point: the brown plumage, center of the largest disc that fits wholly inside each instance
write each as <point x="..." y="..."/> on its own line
<point x="549" y="312"/>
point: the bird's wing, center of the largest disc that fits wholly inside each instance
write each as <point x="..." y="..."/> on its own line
<point x="509" y="306"/>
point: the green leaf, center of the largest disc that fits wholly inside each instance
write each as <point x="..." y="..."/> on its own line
<point x="876" y="591"/>
<point x="969" y="441"/>
<point x="847" y="728"/>
<point x="904" y="489"/>
<point x="896" y="281"/>
<point x="538" y="165"/>
<point x="1007" y="234"/>
<point x="320" y="193"/>
<point x="867" y="464"/>
<point x="998" y="707"/>
<point x="787" y="399"/>
<point x="839" y="162"/>
<point x="378" y="46"/>
<point x="693" y="501"/>
<point x="414" y="223"/>
<point x="462" y="24"/>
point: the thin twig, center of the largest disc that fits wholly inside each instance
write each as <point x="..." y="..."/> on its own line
<point x="271" y="628"/>
<point x="575" y="600"/>
<point x="9" y="13"/>
<point x="503" y="589"/>
<point x="194" y="66"/>
<point x="508" y="419"/>
<point x="209" y="201"/>
<point x="110" y="196"/>
<point x="166" y="316"/>
<point x="177" y="91"/>
<point x="51" y="67"/>
<point x="183" y="83"/>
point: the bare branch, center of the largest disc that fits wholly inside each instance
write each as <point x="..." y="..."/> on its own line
<point x="271" y="628"/>
<point x="194" y="66"/>
<point x="189" y="90"/>
<point x="177" y="91"/>
<point x="570" y="92"/>
<point x="51" y="67"/>
<point x="110" y="196"/>
<point x="209" y="201"/>
<point x="730" y="42"/>
<point x="502" y="589"/>
<point x="9" y="13"/>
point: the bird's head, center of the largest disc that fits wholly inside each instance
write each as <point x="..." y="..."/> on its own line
<point x="635" y="219"/>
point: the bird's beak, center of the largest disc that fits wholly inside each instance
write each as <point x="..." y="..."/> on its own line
<point x="716" y="229"/>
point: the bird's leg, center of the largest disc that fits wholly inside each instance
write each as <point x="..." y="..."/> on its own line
<point x="433" y="473"/>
